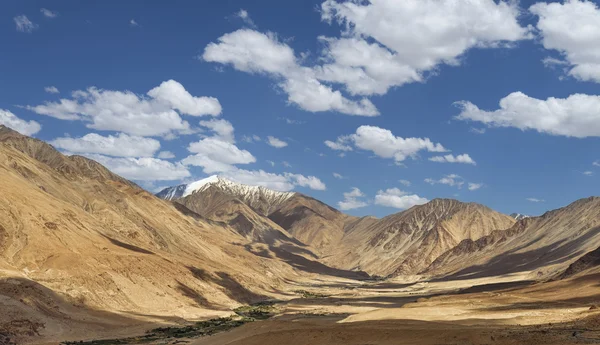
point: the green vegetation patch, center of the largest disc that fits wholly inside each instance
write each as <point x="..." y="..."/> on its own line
<point x="199" y="329"/>
<point x="309" y="294"/>
<point x="260" y="311"/>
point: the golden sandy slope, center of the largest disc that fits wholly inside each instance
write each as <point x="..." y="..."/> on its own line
<point x="75" y="237"/>
<point x="541" y="246"/>
<point x="407" y="242"/>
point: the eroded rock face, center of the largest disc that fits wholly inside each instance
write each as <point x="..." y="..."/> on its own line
<point x="586" y="262"/>
<point x="407" y="242"/>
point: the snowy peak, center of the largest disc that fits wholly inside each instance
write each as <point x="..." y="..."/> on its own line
<point x="518" y="216"/>
<point x="250" y="195"/>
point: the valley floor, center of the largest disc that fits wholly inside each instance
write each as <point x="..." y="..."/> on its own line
<point x="502" y="310"/>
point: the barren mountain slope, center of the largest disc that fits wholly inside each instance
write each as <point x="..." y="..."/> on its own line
<point x="589" y="263"/>
<point x="312" y="221"/>
<point x="307" y="219"/>
<point x="74" y="234"/>
<point x="407" y="242"/>
<point x="544" y="245"/>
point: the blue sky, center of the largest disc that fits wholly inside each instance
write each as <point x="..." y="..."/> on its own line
<point x="378" y="81"/>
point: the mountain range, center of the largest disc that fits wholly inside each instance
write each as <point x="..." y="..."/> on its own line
<point x="79" y="244"/>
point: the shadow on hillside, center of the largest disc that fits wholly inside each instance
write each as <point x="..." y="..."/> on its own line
<point x="229" y="286"/>
<point x="128" y="246"/>
<point x="513" y="262"/>
<point x="30" y="303"/>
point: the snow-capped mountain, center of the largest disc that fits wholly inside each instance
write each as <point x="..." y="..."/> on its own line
<point x="518" y="216"/>
<point x="250" y="195"/>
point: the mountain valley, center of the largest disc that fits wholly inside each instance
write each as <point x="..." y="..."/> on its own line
<point x="88" y="255"/>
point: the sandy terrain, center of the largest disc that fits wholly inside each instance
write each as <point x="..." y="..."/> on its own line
<point x="497" y="313"/>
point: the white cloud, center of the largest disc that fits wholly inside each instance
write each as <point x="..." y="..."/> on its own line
<point x="216" y="155"/>
<point x="384" y="144"/>
<point x="292" y="121"/>
<point x="133" y="23"/>
<point x="143" y="169"/>
<point x="452" y="180"/>
<point x="399" y="199"/>
<point x="351" y="200"/>
<point x="306" y="181"/>
<point x="341" y="144"/>
<point x="588" y="173"/>
<point x="255" y="52"/>
<point x="272" y="163"/>
<point x="573" y="29"/>
<point x="11" y="120"/>
<point x="405" y="182"/>
<point x="173" y="93"/>
<point x="124" y="111"/>
<point x="51" y="89"/>
<point x="596" y="163"/>
<point x="48" y="13"/>
<point x="278" y="143"/>
<point x="121" y="145"/>
<point x="477" y="130"/>
<point x="464" y="158"/>
<point x="286" y="164"/>
<point x="284" y="183"/>
<point x="245" y="17"/>
<point x="390" y="43"/>
<point x="575" y="116"/>
<point x="24" y="24"/>
<point x="475" y="186"/>
<point x="338" y="176"/>
<point x="251" y="138"/>
<point x="165" y="155"/>
<point x="535" y="200"/>
<point x="222" y="129"/>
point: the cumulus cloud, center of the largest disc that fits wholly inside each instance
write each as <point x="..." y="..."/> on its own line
<point x="262" y="53"/>
<point x="143" y="169"/>
<point x="338" y="176"/>
<point x="24" y="127"/>
<point x="405" y="182"/>
<point x="165" y="155"/>
<point x="391" y="43"/>
<point x="311" y="181"/>
<point x="535" y="200"/>
<point x="286" y="164"/>
<point x="573" y="29"/>
<point x="474" y="186"/>
<point x="251" y="138"/>
<point x="51" y="89"/>
<point x="216" y="155"/>
<point x="452" y="180"/>
<point x="281" y="182"/>
<point x="464" y="158"/>
<point x="123" y="111"/>
<point x="351" y="200"/>
<point x="24" y="24"/>
<point x="122" y="145"/>
<point x="222" y="129"/>
<point x="384" y="144"/>
<point x="245" y="17"/>
<point x="575" y="116"/>
<point x="278" y="143"/>
<point x="394" y="197"/>
<point x="48" y="13"/>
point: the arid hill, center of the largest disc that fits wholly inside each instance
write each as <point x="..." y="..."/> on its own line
<point x="544" y="245"/>
<point x="307" y="219"/>
<point x="76" y="238"/>
<point x="407" y="242"/>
